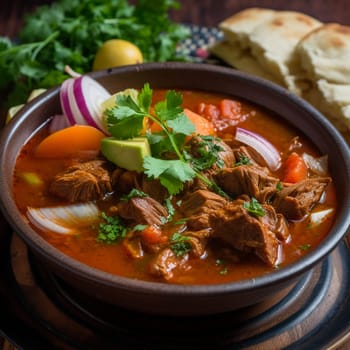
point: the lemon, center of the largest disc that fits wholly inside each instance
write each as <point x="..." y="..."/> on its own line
<point x="116" y="52"/>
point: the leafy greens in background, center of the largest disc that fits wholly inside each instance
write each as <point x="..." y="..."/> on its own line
<point x="69" y="32"/>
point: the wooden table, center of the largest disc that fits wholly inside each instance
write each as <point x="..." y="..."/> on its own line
<point x="201" y="12"/>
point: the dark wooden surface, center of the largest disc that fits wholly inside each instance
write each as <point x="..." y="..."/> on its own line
<point x="201" y="12"/>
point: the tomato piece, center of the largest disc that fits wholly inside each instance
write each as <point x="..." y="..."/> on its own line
<point x="295" y="168"/>
<point x="230" y="109"/>
<point x="153" y="235"/>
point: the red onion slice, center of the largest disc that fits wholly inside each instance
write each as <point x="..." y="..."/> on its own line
<point x="64" y="99"/>
<point x="261" y="145"/>
<point x="81" y="100"/>
<point x="89" y="95"/>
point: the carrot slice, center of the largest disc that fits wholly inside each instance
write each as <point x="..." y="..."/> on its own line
<point x="202" y="125"/>
<point x="70" y="141"/>
<point x="295" y="168"/>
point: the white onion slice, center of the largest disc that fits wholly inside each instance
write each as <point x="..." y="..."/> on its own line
<point x="318" y="217"/>
<point x="317" y="165"/>
<point x="64" y="219"/>
<point x="261" y="145"/>
<point x="81" y="100"/>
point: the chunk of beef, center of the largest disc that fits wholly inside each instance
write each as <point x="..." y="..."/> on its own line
<point x="164" y="263"/>
<point x="295" y="201"/>
<point x="153" y="188"/>
<point x="255" y="181"/>
<point x="248" y="233"/>
<point x="83" y="182"/>
<point x="198" y="241"/>
<point x="198" y="206"/>
<point x="142" y="210"/>
<point x="123" y="181"/>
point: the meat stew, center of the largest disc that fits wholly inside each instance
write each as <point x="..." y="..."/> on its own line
<point x="257" y="222"/>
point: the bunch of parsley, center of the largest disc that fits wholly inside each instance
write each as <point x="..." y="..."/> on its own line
<point x="69" y="32"/>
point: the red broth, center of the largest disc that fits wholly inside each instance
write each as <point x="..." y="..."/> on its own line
<point x="113" y="258"/>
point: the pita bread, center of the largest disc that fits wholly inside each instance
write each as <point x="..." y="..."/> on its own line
<point x="238" y="27"/>
<point x="325" y="53"/>
<point x="273" y="43"/>
<point x="240" y="59"/>
<point x="262" y="42"/>
<point x="333" y="100"/>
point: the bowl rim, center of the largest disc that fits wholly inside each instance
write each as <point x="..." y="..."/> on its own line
<point x="41" y="246"/>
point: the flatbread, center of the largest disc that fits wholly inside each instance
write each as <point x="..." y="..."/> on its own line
<point x="333" y="100"/>
<point x="241" y="60"/>
<point x="262" y="42"/>
<point x="325" y="53"/>
<point x="238" y="27"/>
<point x="273" y="42"/>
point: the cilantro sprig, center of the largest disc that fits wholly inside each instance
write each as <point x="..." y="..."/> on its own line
<point x="170" y="162"/>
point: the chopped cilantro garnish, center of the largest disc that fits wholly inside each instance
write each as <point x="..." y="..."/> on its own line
<point x="208" y="154"/>
<point x="305" y="246"/>
<point x="279" y="186"/>
<point x="133" y="193"/>
<point x="179" y="244"/>
<point x="110" y="229"/>
<point x="224" y="271"/>
<point x="243" y="160"/>
<point x="254" y="207"/>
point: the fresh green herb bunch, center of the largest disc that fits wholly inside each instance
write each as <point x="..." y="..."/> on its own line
<point x="69" y="32"/>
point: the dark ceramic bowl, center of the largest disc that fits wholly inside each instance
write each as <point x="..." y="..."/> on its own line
<point x="160" y="297"/>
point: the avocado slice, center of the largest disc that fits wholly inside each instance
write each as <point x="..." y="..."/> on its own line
<point x="127" y="154"/>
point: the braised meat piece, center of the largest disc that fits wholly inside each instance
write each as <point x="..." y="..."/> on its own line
<point x="255" y="181"/>
<point x="249" y="233"/>
<point x="231" y="222"/>
<point x="198" y="206"/>
<point x="123" y="181"/>
<point x="83" y="182"/>
<point x="164" y="263"/>
<point x="295" y="201"/>
<point x="142" y="210"/>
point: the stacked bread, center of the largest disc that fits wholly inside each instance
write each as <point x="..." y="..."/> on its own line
<point x="308" y="57"/>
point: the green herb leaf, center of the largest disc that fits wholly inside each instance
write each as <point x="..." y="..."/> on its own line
<point x="110" y="229"/>
<point x="254" y="207"/>
<point x="243" y="160"/>
<point x="179" y="244"/>
<point x="133" y="193"/>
